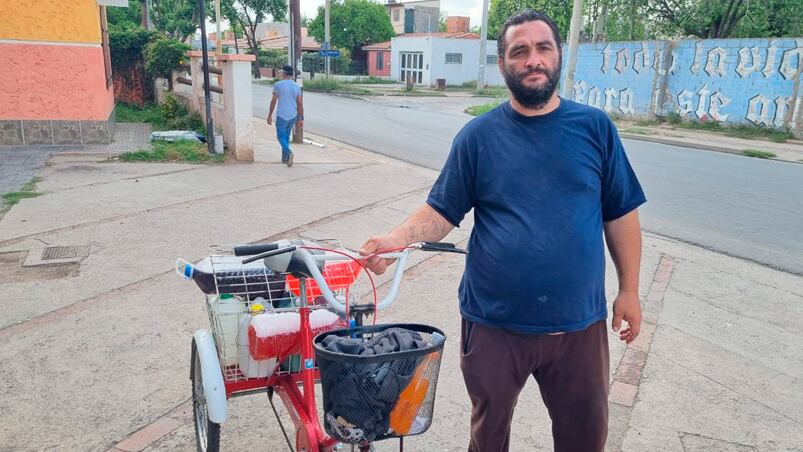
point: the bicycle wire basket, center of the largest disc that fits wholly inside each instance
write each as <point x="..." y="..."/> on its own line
<point x="378" y="382"/>
<point x="232" y="288"/>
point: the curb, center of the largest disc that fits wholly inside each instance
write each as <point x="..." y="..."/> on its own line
<point x="623" y="392"/>
<point x="692" y="145"/>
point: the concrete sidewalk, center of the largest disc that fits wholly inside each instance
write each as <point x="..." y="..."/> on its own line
<point x="788" y="151"/>
<point x="96" y="349"/>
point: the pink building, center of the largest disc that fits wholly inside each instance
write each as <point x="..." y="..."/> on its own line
<point x="56" y="82"/>
<point x="378" y="59"/>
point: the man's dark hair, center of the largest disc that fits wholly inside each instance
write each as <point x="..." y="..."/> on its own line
<point x="527" y="15"/>
<point x="287" y="69"/>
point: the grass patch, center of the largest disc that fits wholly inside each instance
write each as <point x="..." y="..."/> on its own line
<point x="492" y="91"/>
<point x="740" y="131"/>
<point x="371" y="81"/>
<point x="151" y="113"/>
<point x="759" y="154"/>
<point x="647" y="122"/>
<point x="170" y="115"/>
<point x="324" y="85"/>
<point x="266" y="81"/>
<point x="416" y="93"/>
<point x="26" y="191"/>
<point x="174" y="151"/>
<point x="477" y="110"/>
<point x="636" y="130"/>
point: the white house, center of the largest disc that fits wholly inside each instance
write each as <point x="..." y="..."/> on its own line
<point x="427" y="57"/>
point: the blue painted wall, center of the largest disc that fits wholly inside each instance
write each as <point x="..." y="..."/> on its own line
<point x="735" y="81"/>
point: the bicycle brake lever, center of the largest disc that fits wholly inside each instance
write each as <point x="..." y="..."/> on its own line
<point x="441" y="246"/>
<point x="269" y="254"/>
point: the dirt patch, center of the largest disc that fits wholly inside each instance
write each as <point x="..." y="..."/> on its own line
<point x="12" y="271"/>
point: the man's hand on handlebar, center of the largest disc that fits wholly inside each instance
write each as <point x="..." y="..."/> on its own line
<point x="377" y="264"/>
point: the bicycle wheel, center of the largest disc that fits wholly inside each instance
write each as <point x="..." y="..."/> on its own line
<point x="207" y="433"/>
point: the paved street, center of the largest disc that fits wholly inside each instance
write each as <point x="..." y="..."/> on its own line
<point x="740" y="206"/>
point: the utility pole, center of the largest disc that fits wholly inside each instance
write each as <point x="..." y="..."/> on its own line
<point x="483" y="45"/>
<point x="210" y="131"/>
<point x="574" y="40"/>
<point x="218" y="37"/>
<point x="144" y="12"/>
<point x="295" y="42"/>
<point x="328" y="38"/>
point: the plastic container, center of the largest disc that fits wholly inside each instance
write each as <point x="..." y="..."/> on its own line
<point x="227" y="310"/>
<point x="277" y="335"/>
<point x="229" y="275"/>
<point x="338" y="275"/>
<point x="249" y="367"/>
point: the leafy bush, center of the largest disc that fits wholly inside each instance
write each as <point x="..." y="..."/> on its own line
<point x="674" y="118"/>
<point x="273" y="58"/>
<point x="163" y="56"/>
<point x="170" y="106"/>
<point x="127" y="44"/>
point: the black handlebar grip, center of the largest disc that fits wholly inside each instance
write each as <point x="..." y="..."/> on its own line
<point x="258" y="248"/>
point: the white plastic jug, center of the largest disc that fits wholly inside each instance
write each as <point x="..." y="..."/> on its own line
<point x="227" y="310"/>
<point x="250" y="367"/>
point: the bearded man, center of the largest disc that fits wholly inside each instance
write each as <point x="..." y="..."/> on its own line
<point x="547" y="178"/>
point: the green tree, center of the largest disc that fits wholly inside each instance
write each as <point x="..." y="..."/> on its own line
<point x="617" y="20"/>
<point x="772" y="18"/>
<point x="354" y="23"/>
<point x="125" y="17"/>
<point x="247" y="14"/>
<point x="178" y="19"/>
<point x="442" y="24"/>
<point x="163" y="56"/>
<point x="705" y="19"/>
<point x="500" y="10"/>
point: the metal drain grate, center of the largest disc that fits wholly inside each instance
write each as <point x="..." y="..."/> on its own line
<point x="64" y="252"/>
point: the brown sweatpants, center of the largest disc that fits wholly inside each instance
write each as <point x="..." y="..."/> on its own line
<point x="572" y="374"/>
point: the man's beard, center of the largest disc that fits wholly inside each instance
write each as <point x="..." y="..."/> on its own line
<point x="532" y="97"/>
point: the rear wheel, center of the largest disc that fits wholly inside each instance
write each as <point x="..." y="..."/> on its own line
<point x="207" y="433"/>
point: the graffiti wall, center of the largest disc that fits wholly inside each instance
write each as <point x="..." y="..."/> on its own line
<point x="734" y="81"/>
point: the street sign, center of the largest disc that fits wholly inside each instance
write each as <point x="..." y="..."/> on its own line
<point x="329" y="53"/>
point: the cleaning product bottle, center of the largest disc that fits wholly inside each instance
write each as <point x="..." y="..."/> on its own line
<point x="227" y="309"/>
<point x="250" y="367"/>
<point x="412" y="397"/>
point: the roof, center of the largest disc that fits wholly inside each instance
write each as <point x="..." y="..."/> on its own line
<point x="378" y="46"/>
<point x="278" y="42"/>
<point x="445" y="35"/>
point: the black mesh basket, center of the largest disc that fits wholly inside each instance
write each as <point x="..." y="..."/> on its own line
<point x="378" y="382"/>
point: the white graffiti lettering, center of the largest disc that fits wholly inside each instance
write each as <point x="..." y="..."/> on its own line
<point x="702" y="101"/>
<point x="791" y="62"/>
<point x="626" y="101"/>
<point x="606" y="59"/>
<point x="622" y="60"/>
<point x="718" y="101"/>
<point x="782" y="105"/>
<point x="719" y="54"/>
<point x="750" y="55"/>
<point x="580" y="89"/>
<point x="594" y="97"/>
<point x="685" y="104"/>
<point x="641" y="58"/>
<point x="698" y="55"/>
<point x="758" y="110"/>
<point x="610" y="95"/>
<point x="770" y="66"/>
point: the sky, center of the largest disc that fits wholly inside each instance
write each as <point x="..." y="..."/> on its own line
<point x="471" y="8"/>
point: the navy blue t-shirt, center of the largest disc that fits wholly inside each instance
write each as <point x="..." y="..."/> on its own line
<point x="541" y="188"/>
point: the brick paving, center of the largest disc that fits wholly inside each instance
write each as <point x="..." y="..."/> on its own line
<point x="19" y="164"/>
